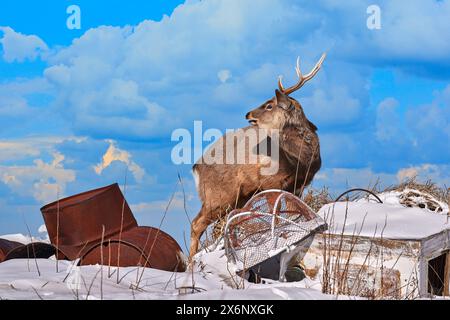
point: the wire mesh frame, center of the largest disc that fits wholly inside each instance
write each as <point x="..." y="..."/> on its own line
<point x="271" y="244"/>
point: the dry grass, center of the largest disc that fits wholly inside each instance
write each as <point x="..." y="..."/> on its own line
<point x="441" y="193"/>
<point x="429" y="188"/>
<point x="317" y="198"/>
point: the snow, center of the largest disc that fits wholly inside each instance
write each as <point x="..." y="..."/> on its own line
<point x="211" y="276"/>
<point x="21" y="238"/>
<point x="393" y="198"/>
<point x="390" y="220"/>
<point x="19" y="279"/>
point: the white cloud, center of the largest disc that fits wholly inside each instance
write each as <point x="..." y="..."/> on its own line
<point x="138" y="81"/>
<point x="115" y="154"/>
<point x="159" y="206"/>
<point x="407" y="173"/>
<point x="14" y="95"/>
<point x="401" y="37"/>
<point x="341" y="179"/>
<point x="19" y="47"/>
<point x="30" y="147"/>
<point x="43" y="181"/>
<point x="439" y="174"/>
<point x="224" y="75"/>
<point x="333" y="106"/>
<point x="163" y="68"/>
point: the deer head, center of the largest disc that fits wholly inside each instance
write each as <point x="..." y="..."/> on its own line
<point x="283" y="110"/>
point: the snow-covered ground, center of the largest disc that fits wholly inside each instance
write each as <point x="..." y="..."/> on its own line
<point x="20" y="279"/>
<point x="39" y="279"/>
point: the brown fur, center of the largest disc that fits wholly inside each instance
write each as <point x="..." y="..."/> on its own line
<point x="223" y="187"/>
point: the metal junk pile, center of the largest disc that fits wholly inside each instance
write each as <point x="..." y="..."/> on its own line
<point x="271" y="229"/>
<point x="98" y="227"/>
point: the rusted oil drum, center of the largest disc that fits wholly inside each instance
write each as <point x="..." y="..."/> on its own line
<point x="32" y="250"/>
<point x="6" y="246"/>
<point x="15" y="250"/>
<point x="141" y="246"/>
<point x="75" y="224"/>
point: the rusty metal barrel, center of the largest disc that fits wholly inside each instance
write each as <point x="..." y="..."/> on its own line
<point x="6" y="246"/>
<point x="98" y="227"/>
<point x="15" y="250"/>
<point x="141" y="246"/>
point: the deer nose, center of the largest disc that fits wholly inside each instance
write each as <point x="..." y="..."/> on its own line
<point x="248" y="115"/>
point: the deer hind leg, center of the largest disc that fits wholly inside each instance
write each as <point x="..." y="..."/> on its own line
<point x="199" y="225"/>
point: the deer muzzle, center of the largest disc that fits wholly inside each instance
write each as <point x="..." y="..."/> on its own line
<point x="250" y="119"/>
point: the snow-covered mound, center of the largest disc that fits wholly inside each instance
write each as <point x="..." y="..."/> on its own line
<point x="403" y="214"/>
<point x="413" y="198"/>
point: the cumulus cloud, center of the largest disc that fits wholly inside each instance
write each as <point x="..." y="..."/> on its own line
<point x="439" y="174"/>
<point x="14" y="97"/>
<point x="30" y="147"/>
<point x="115" y="154"/>
<point x="334" y="106"/>
<point x="18" y="47"/>
<point x="136" y="82"/>
<point x="402" y="40"/>
<point x="44" y="181"/>
<point x="215" y="60"/>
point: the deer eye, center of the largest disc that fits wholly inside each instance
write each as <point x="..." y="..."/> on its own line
<point x="269" y="107"/>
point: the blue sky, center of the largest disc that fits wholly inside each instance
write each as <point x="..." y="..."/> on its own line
<point x="77" y="107"/>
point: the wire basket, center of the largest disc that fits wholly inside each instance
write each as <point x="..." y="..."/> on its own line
<point x="270" y="223"/>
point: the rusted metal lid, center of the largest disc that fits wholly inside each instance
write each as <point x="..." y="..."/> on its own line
<point x="75" y="224"/>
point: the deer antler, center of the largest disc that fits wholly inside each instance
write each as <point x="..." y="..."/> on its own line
<point x="301" y="78"/>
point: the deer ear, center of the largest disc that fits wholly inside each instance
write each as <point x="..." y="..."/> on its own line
<point x="282" y="100"/>
<point x="311" y="125"/>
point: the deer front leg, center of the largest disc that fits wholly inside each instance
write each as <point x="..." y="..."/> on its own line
<point x="199" y="225"/>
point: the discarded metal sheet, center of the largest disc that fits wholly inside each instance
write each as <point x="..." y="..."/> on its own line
<point x="268" y="231"/>
<point x="76" y="226"/>
<point x="15" y="250"/>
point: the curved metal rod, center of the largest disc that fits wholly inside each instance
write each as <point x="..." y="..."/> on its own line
<point x="358" y="189"/>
